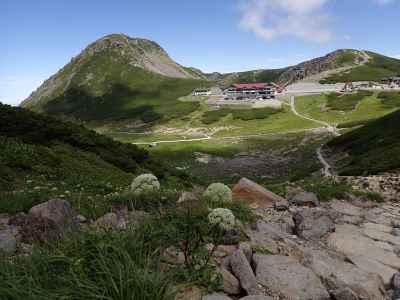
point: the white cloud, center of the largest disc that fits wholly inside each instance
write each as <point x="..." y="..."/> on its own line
<point x="270" y="19"/>
<point x="397" y="56"/>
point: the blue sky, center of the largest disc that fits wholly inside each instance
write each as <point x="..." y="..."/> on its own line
<point x="40" y="36"/>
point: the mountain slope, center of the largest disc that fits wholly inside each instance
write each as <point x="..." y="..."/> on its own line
<point x="339" y="59"/>
<point x="371" y="149"/>
<point x="118" y="77"/>
<point x="376" y="68"/>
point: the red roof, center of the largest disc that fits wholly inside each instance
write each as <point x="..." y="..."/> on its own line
<point x="244" y="86"/>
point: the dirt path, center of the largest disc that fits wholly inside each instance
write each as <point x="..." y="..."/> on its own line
<point x="332" y="129"/>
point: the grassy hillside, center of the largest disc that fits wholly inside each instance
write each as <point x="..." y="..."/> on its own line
<point x="42" y="158"/>
<point x="378" y="67"/>
<point x="113" y="78"/>
<point x="372" y="149"/>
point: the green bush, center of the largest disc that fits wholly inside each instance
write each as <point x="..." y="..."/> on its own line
<point x="390" y="99"/>
<point x="238" y="114"/>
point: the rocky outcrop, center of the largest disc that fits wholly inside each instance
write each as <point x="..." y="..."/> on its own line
<point x="286" y="276"/>
<point x="255" y="195"/>
<point x="313" y="223"/>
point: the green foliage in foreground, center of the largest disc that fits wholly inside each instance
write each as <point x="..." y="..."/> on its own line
<point x="378" y="67"/>
<point x="238" y="114"/>
<point x="390" y="99"/>
<point x="371" y="149"/>
<point x="346" y="102"/>
<point x="89" y="266"/>
<point x="123" y="265"/>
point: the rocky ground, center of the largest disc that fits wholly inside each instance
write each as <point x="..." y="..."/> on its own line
<point x="298" y="249"/>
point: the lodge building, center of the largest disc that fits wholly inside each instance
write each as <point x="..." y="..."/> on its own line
<point x="252" y="91"/>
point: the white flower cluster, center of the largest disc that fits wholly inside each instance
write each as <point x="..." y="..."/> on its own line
<point x="218" y="192"/>
<point x="222" y="217"/>
<point x="145" y="183"/>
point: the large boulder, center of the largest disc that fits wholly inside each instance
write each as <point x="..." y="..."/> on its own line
<point x="242" y="270"/>
<point x="286" y="276"/>
<point x="313" y="223"/>
<point x="58" y="212"/>
<point x="304" y="199"/>
<point x="341" y="276"/>
<point x="255" y="195"/>
<point x="369" y="254"/>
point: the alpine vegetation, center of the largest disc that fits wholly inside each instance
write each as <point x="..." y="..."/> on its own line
<point x="222" y="217"/>
<point x="145" y="184"/>
<point x="218" y="192"/>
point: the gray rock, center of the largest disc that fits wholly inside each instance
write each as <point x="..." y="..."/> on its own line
<point x="396" y="232"/>
<point x="305" y="199"/>
<point x="137" y="217"/>
<point x="231" y="284"/>
<point x="372" y="256"/>
<point x="216" y="297"/>
<point x="8" y="241"/>
<point x="248" y="252"/>
<point x="231" y="237"/>
<point x="286" y="276"/>
<point x="111" y="221"/>
<point x="396" y="281"/>
<point x="59" y="212"/>
<point x="81" y="219"/>
<point x="345" y="294"/>
<point x="281" y="205"/>
<point x="242" y="270"/>
<point x="339" y="274"/>
<point x="256" y="298"/>
<point x="312" y="223"/>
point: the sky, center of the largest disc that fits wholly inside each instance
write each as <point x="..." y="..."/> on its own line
<point x="40" y="36"/>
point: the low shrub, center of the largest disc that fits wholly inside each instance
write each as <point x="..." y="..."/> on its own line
<point x="218" y="192"/>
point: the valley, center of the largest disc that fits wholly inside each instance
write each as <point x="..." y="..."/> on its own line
<point x="129" y="176"/>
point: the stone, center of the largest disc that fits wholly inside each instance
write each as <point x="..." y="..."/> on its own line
<point x="111" y="221"/>
<point x="8" y="241"/>
<point x="248" y="252"/>
<point x="59" y="212"/>
<point x="216" y="297"/>
<point x="281" y="205"/>
<point x="340" y="274"/>
<point x="256" y="298"/>
<point x="231" y="236"/>
<point x="346" y="208"/>
<point x="345" y="294"/>
<point x="312" y="223"/>
<point x="396" y="281"/>
<point x="286" y="276"/>
<point x="187" y="196"/>
<point x="369" y="255"/>
<point x="305" y="199"/>
<point x="243" y="271"/>
<point x="231" y="284"/>
<point x="254" y="194"/>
